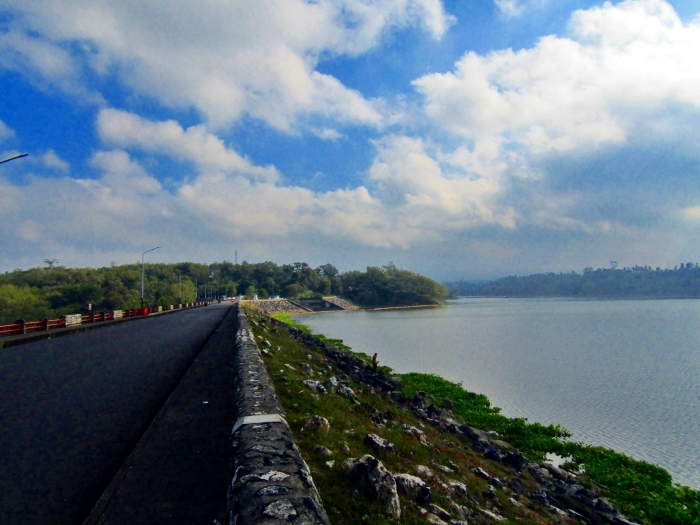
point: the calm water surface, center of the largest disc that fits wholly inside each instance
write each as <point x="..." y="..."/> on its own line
<point x="621" y="374"/>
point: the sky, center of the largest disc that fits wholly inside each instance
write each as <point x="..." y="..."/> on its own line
<point x="462" y="139"/>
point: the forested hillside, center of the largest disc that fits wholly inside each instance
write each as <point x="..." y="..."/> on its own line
<point x="55" y="291"/>
<point x="390" y="286"/>
<point x="639" y="281"/>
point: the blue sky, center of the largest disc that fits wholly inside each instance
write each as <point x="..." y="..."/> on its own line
<point x="461" y="139"/>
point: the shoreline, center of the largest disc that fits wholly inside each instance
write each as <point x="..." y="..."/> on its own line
<point x="403" y="307"/>
<point x="361" y="309"/>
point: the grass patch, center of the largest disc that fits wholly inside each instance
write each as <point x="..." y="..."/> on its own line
<point x="287" y="319"/>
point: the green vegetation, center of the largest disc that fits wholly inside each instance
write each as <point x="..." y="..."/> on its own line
<point x="639" y="489"/>
<point x="390" y="286"/>
<point x="55" y="290"/>
<point x="286" y="318"/>
<point x="638" y="281"/>
<point x="533" y="439"/>
<point x="642" y="490"/>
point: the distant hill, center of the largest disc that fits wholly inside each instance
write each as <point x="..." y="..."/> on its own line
<point x="636" y="282"/>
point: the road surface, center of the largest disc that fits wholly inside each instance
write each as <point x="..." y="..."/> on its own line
<point x="72" y="409"/>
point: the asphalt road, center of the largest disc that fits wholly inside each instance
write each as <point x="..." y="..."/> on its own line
<point x="72" y="409"/>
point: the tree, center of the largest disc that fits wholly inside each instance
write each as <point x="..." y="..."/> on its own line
<point x="20" y="303"/>
<point x="328" y="270"/>
<point x="391" y="286"/>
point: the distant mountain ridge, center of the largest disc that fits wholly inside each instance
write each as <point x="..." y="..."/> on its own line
<point x="629" y="282"/>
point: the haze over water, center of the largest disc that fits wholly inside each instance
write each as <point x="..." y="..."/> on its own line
<point x="621" y="374"/>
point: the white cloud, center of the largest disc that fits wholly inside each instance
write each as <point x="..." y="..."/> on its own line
<point x="53" y="161"/>
<point x="44" y="62"/>
<point x="327" y="134"/>
<point x="225" y="59"/>
<point x="509" y="8"/>
<point x="127" y="207"/>
<point x="83" y="214"/>
<point x="514" y="8"/>
<point x="622" y="66"/>
<point x="433" y="195"/>
<point x="5" y="131"/>
<point x="225" y="201"/>
<point x="122" y="175"/>
<point x="195" y="144"/>
<point x="624" y="77"/>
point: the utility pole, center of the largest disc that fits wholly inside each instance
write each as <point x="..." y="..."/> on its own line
<point x="180" y="288"/>
<point x="236" y="256"/>
<point x="142" y="271"/>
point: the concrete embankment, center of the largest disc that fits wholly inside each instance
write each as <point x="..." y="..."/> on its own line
<point x="279" y="306"/>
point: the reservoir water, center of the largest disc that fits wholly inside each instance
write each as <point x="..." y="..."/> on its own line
<point x="621" y="374"/>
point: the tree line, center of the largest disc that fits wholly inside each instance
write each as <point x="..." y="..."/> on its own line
<point x="682" y="281"/>
<point x="57" y="290"/>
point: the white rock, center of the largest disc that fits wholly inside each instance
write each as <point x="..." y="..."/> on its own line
<point x="379" y="483"/>
<point x="315" y="386"/>
<point x="458" y="487"/>
<point x="414" y="488"/>
<point x="379" y="444"/>
<point x="424" y="472"/>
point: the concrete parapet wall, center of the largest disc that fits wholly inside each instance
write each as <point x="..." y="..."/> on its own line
<point x="271" y="483"/>
<point x="73" y="319"/>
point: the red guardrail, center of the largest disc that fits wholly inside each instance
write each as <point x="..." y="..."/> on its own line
<point x="23" y="327"/>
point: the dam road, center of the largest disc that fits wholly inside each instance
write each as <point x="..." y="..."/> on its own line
<point x="73" y="408"/>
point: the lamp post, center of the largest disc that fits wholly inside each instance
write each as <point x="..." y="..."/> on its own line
<point x="13" y="158"/>
<point x="142" y="271"/>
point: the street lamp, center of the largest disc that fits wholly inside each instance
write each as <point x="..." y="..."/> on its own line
<point x="142" y="271"/>
<point x="13" y="158"/>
